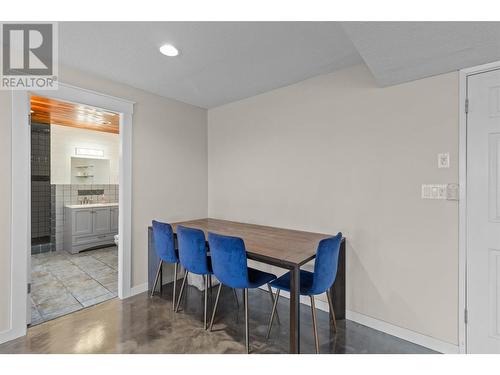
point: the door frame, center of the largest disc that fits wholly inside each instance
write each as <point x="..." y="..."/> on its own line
<point x="462" y="178"/>
<point x="21" y="207"/>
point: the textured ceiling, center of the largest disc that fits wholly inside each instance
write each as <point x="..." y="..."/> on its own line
<point x="397" y="52"/>
<point x="221" y="62"/>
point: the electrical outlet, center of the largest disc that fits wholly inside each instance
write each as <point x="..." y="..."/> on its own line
<point x="444" y="160"/>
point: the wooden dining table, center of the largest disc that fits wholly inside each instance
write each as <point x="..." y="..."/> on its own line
<point x="284" y="248"/>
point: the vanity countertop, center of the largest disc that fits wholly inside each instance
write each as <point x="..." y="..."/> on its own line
<point x="95" y="205"/>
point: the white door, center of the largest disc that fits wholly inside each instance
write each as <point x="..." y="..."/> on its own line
<point x="28" y="250"/>
<point x="483" y="213"/>
<point x="102" y="221"/>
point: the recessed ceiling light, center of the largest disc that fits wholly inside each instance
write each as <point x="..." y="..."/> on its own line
<point x="169" y="50"/>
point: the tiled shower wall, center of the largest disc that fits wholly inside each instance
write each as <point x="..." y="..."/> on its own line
<point x="40" y="185"/>
<point x="68" y="194"/>
<point x="40" y="211"/>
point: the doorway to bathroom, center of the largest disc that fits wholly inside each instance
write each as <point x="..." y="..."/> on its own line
<point x="75" y="155"/>
<point x="20" y="247"/>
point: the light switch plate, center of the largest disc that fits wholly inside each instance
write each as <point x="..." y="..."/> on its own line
<point x="434" y="191"/>
<point x="444" y="160"/>
<point x="453" y="192"/>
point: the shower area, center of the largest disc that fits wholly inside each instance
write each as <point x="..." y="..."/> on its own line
<point x="42" y="220"/>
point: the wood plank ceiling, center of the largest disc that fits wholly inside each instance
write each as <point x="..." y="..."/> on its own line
<point x="56" y="112"/>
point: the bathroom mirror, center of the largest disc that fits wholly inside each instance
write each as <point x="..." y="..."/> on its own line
<point x="88" y="171"/>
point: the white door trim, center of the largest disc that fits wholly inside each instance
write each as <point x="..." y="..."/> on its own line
<point x="462" y="177"/>
<point x="20" y="207"/>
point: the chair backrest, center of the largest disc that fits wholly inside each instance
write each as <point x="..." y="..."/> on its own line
<point x="326" y="264"/>
<point x="163" y="237"/>
<point x="192" y="250"/>
<point x="229" y="260"/>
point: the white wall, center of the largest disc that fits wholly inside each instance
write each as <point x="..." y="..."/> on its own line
<point x="169" y="169"/>
<point x="63" y="142"/>
<point x="337" y="153"/>
<point x="169" y="154"/>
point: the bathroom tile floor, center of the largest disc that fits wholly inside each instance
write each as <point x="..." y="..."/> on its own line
<point x="62" y="283"/>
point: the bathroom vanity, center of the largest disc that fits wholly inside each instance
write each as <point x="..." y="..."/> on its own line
<point x="89" y="226"/>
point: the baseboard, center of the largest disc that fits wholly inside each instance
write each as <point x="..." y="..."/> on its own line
<point x="11" y="334"/>
<point x="379" y="325"/>
<point x="403" y="333"/>
<point x="138" y="289"/>
<point x="141" y="288"/>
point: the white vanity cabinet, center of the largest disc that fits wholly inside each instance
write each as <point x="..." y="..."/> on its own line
<point x="89" y="226"/>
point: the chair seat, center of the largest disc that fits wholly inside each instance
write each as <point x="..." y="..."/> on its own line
<point x="258" y="278"/>
<point x="306" y="282"/>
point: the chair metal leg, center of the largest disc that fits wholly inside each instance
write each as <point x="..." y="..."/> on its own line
<point x="157" y="278"/>
<point x="215" y="306"/>
<point x="210" y="289"/>
<point x="272" y="302"/>
<point x="332" y="311"/>
<point x="205" y="282"/>
<point x="275" y="304"/>
<point x="182" y="290"/>
<point x="245" y="301"/>
<point x="236" y="298"/>
<point x="315" y="324"/>
<point x="175" y="285"/>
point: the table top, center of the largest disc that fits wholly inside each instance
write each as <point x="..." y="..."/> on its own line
<point x="276" y="246"/>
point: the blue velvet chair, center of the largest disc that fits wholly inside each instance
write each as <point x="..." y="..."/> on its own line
<point x="164" y="244"/>
<point x="312" y="284"/>
<point x="229" y="262"/>
<point x="193" y="257"/>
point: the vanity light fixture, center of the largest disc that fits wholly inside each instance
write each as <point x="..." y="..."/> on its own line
<point x="89" y="152"/>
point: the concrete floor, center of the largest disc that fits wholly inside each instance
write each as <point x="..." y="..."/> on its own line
<point x="141" y="324"/>
<point x="63" y="283"/>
